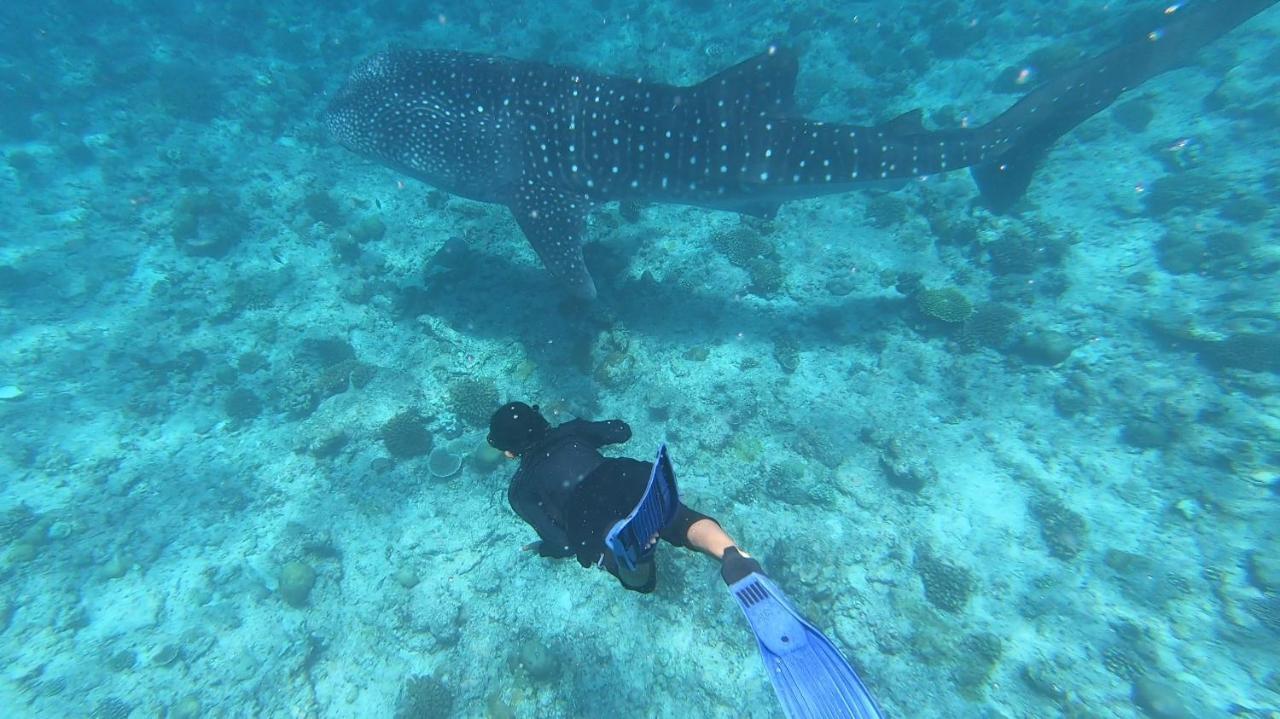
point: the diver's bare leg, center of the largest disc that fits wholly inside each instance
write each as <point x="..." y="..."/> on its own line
<point x="709" y="538"/>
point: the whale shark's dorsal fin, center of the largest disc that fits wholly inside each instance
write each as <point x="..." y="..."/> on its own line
<point x="764" y="84"/>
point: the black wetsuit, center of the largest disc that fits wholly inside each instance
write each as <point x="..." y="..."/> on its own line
<point x="571" y="494"/>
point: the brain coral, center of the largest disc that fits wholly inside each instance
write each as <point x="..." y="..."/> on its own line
<point x="947" y="305"/>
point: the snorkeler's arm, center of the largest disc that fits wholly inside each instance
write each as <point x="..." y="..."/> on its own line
<point x="613" y="431"/>
<point x="555" y="543"/>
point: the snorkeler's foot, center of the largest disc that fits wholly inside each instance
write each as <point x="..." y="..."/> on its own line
<point x="643" y="579"/>
<point x="737" y="565"/>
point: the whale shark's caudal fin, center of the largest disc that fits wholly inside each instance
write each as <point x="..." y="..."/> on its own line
<point x="1051" y="110"/>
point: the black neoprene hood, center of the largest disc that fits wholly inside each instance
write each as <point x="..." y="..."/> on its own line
<point x="516" y="426"/>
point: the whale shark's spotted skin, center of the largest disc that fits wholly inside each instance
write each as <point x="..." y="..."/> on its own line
<point x="553" y="142"/>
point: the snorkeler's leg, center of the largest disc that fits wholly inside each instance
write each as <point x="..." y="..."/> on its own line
<point x="707" y="536"/>
<point x="703" y="534"/>
<point x="694" y="530"/>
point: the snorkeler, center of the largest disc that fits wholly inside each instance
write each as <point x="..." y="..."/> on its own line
<point x="572" y="495"/>
<point x="610" y="512"/>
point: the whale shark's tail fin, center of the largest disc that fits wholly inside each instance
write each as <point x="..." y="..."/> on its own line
<point x="1035" y="122"/>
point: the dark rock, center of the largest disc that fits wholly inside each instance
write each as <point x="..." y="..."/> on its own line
<point x="1146" y="434"/>
<point x="1160" y="699"/>
<point x="1256" y="352"/>
<point x="1046" y="347"/>
<point x="242" y="404"/>
<point x="1134" y="115"/>
<point x="1245" y="209"/>
<point x="1070" y="401"/>
<point x="1180" y="254"/>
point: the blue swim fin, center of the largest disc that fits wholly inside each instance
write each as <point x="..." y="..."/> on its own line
<point x="629" y="537"/>
<point x="809" y="675"/>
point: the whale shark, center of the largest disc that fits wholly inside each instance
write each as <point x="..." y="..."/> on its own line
<point x="551" y="142"/>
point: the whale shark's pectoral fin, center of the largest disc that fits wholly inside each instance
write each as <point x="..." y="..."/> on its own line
<point x="1003" y="182"/>
<point x="554" y="220"/>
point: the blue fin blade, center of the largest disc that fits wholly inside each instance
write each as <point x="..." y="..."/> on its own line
<point x="629" y="538"/>
<point x="810" y="676"/>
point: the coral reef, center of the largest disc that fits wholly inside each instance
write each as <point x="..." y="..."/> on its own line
<point x="1244" y="209"/>
<point x="367" y="229"/>
<point x="786" y="350"/>
<point x="111" y="708"/>
<point x="1217" y="254"/>
<point x="946" y="586"/>
<point x="256" y="291"/>
<point x="980" y="655"/>
<point x="1123" y="663"/>
<point x="485" y="458"/>
<point x="321" y="368"/>
<point x="886" y="210"/>
<point x="207" y="224"/>
<point x="1263" y="563"/>
<point x="742" y="244"/>
<point x="905" y="468"/>
<point x="338" y="377"/>
<point x="15" y="522"/>
<point x="537" y="659"/>
<point x="424" y="697"/>
<point x="322" y="207"/>
<point x="405" y="435"/>
<point x="1045" y="347"/>
<point x="1063" y="530"/>
<point x="443" y="462"/>
<point x="1014" y="254"/>
<point x="473" y="400"/>
<point x="948" y="305"/>
<point x="1191" y="191"/>
<point x="242" y="404"/>
<point x="767" y="276"/>
<point x="990" y="325"/>
<point x="296" y="582"/>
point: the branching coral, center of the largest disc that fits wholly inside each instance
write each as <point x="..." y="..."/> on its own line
<point x="404" y="435"/>
<point x="473" y="400"/>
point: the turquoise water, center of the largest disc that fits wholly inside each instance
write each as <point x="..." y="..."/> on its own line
<point x="1015" y="465"/>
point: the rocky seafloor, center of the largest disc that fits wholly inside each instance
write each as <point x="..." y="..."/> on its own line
<point x="1019" y="465"/>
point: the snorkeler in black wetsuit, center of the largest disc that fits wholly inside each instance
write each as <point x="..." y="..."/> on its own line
<point x="571" y="494"/>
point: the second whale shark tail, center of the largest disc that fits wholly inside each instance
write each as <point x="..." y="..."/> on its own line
<point x="1035" y="122"/>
